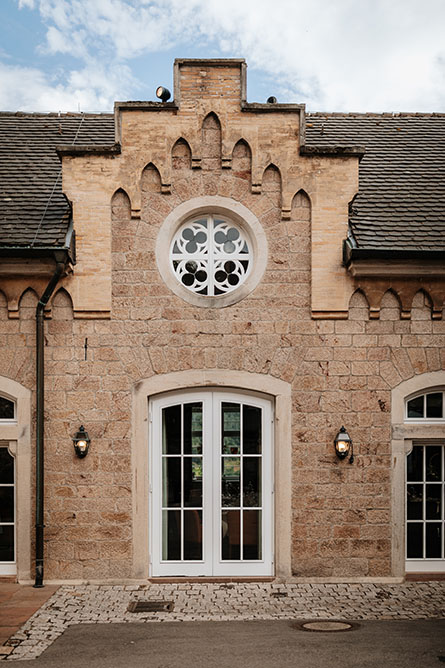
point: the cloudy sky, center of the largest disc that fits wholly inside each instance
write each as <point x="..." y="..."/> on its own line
<point x="333" y="55"/>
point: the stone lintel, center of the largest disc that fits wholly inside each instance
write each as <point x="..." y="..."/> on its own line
<point x="210" y="62"/>
<point x="145" y="106"/>
<point x="330" y="315"/>
<point x="92" y="315"/>
<point x="267" y="107"/>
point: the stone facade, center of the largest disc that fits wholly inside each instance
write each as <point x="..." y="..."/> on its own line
<point x="115" y="322"/>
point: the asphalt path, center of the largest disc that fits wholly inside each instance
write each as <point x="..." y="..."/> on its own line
<point x="247" y="644"/>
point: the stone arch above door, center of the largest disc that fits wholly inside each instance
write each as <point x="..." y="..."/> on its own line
<point x="280" y="393"/>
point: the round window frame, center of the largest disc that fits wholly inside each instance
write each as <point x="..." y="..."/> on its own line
<point x="224" y="207"/>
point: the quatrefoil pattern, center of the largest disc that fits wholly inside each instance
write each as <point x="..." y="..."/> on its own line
<point x="210" y="255"/>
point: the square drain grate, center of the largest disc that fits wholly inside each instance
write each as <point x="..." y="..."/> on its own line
<point x="150" y="606"/>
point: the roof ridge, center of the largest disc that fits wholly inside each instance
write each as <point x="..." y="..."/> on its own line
<point x="371" y="114"/>
<point x="56" y="114"/>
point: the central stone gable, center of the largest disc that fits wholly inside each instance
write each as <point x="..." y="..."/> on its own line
<point x="209" y="141"/>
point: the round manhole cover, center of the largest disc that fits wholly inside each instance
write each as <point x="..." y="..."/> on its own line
<point x="326" y="625"/>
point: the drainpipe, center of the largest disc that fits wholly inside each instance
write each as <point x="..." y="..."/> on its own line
<point x="40" y="388"/>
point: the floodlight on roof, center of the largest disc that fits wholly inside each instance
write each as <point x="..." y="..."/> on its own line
<point x="163" y="93"/>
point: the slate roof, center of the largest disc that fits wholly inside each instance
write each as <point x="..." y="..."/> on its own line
<point x="400" y="204"/>
<point x="33" y="211"/>
<point x="401" y="199"/>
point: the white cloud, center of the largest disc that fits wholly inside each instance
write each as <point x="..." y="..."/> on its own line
<point x="338" y="55"/>
<point x="90" y="89"/>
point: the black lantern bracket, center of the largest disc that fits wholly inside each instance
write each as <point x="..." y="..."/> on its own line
<point x="343" y="445"/>
<point x="81" y="442"/>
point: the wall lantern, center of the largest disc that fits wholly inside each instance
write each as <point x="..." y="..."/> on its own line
<point x="343" y="445"/>
<point x="81" y="442"/>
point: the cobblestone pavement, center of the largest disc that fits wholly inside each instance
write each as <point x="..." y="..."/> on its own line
<point x="223" y="601"/>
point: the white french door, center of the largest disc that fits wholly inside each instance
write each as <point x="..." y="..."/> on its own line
<point x="7" y="512"/>
<point x="211" y="484"/>
<point x="425" y="508"/>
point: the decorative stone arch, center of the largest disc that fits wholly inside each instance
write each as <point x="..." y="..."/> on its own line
<point x="358" y="307"/>
<point x="211" y="138"/>
<point x="277" y="390"/>
<point x="422" y="295"/>
<point x="181" y="154"/>
<point x="403" y="435"/>
<point x="120" y="194"/>
<point x="271" y="184"/>
<point x="151" y="179"/>
<point x="16" y="434"/>
<point x="241" y="160"/>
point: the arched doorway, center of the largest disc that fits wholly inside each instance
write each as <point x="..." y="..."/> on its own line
<point x="276" y="391"/>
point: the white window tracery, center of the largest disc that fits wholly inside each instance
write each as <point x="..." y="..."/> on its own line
<point x="211" y="255"/>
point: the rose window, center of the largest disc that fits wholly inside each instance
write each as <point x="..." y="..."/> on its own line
<point x="210" y="255"/>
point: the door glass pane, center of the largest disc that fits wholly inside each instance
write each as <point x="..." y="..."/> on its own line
<point x="414" y="464"/>
<point x="415" y="407"/>
<point x="192" y="535"/>
<point x="252" y="534"/>
<point x="171" y="481"/>
<point x="414" y="502"/>
<point x="414" y="548"/>
<point x="433" y="462"/>
<point x="171" y="430"/>
<point x="230" y="529"/>
<point x="251" y="430"/>
<point x="6" y="467"/>
<point x="6" y="543"/>
<point x="434" y="405"/>
<point x="231" y="424"/>
<point x="171" y="535"/>
<point x="192" y="482"/>
<point x="433" y="502"/>
<point x="252" y="481"/>
<point x="230" y="487"/>
<point x="193" y="429"/>
<point x="6" y="409"/>
<point x="6" y="504"/>
<point x="433" y="540"/>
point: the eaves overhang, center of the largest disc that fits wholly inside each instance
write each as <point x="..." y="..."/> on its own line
<point x="30" y="259"/>
<point x="89" y="149"/>
<point x="23" y="262"/>
<point x="391" y="262"/>
<point x="339" y="151"/>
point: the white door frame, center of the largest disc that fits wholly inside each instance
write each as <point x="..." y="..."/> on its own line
<point x="212" y="563"/>
<point x="16" y="434"/>
<point x="404" y="434"/>
<point x="280" y="393"/>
